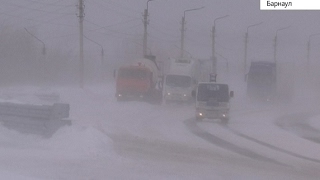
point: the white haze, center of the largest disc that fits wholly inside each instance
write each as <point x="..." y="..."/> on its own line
<point x="107" y="139"/>
<point x="117" y="28"/>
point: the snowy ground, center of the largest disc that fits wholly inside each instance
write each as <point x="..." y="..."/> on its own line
<point x="136" y="140"/>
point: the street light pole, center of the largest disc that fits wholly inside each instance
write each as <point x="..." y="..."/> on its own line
<point x="246" y="48"/>
<point x="308" y="50"/>
<point x="43" y="62"/>
<point x="276" y="43"/>
<point x="102" y="65"/>
<point x="145" y="24"/>
<point x="214" y="59"/>
<point x="183" y="29"/>
<point x="81" y="63"/>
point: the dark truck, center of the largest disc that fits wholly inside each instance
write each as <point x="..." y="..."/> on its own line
<point x="268" y="81"/>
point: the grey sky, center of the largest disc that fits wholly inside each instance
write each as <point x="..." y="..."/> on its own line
<point x="118" y="24"/>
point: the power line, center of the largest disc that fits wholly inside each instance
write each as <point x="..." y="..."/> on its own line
<point x="49" y="4"/>
<point x="110" y="9"/>
<point x="112" y="25"/>
<point x="23" y="15"/>
<point x="163" y="40"/>
<point x="61" y="36"/>
<point x="157" y="29"/>
<point x="40" y="22"/>
<point x="36" y="9"/>
<point x="122" y="6"/>
<point x="114" y="31"/>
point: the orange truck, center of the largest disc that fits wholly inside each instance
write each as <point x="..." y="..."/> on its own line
<point x="139" y="80"/>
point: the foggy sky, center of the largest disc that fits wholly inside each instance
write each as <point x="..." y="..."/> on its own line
<point x="117" y="26"/>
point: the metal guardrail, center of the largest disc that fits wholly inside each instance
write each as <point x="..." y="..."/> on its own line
<point x="35" y="119"/>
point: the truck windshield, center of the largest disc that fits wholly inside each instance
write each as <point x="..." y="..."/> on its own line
<point x="132" y="73"/>
<point x="219" y="92"/>
<point x="178" y="81"/>
<point x="260" y="77"/>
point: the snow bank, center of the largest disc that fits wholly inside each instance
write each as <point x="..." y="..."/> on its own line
<point x="14" y="176"/>
<point x="315" y="122"/>
<point x="81" y="142"/>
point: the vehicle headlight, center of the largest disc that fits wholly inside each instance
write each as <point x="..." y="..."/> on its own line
<point x="200" y="114"/>
<point x="119" y="95"/>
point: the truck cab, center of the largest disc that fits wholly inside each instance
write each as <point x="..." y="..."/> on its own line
<point x="261" y="81"/>
<point x="181" y="80"/>
<point x="213" y="101"/>
<point x="139" y="80"/>
<point x="133" y="82"/>
<point x="178" y="87"/>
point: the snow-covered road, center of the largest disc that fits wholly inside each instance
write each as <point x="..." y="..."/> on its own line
<point x="136" y="140"/>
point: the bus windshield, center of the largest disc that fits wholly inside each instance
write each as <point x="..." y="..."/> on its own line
<point x="218" y="92"/>
<point x="178" y="81"/>
<point x="132" y="73"/>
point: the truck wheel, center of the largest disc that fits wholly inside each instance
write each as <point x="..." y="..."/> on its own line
<point x="224" y="121"/>
<point x="119" y="99"/>
<point x="198" y="118"/>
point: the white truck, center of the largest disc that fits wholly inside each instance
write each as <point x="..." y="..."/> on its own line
<point x="181" y="80"/>
<point x="213" y="101"/>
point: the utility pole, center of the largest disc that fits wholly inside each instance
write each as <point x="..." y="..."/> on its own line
<point x="275" y="43"/>
<point x="245" y="55"/>
<point x="182" y="37"/>
<point x="246" y="48"/>
<point x="102" y="65"/>
<point x="81" y="64"/>
<point x="214" y="59"/>
<point x="308" y="51"/>
<point x="145" y="33"/>
<point x="183" y="29"/>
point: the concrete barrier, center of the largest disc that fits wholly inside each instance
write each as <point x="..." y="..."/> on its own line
<point x="35" y="119"/>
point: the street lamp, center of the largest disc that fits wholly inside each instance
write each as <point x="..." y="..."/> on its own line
<point x="145" y="24"/>
<point x="44" y="46"/>
<point x="276" y="43"/>
<point x="246" y="48"/>
<point x="102" y="55"/>
<point x="308" y="48"/>
<point x="214" y="60"/>
<point x="102" y="52"/>
<point x="183" y="28"/>
<point x="227" y="62"/>
<point x="308" y="52"/>
<point x="42" y="63"/>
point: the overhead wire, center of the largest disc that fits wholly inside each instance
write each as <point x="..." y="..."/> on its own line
<point x="49" y="4"/>
<point x="23" y="15"/>
<point x="35" y="9"/>
<point x="114" y="31"/>
<point x="112" y="25"/>
<point x="157" y="29"/>
<point x="122" y="6"/>
<point x="100" y="5"/>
